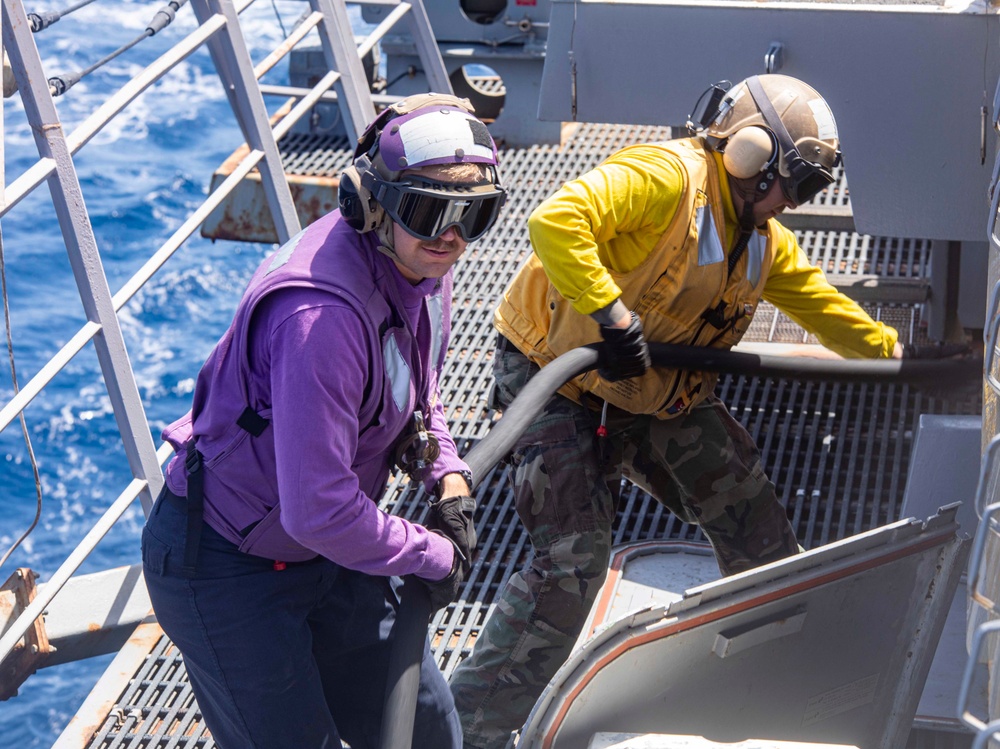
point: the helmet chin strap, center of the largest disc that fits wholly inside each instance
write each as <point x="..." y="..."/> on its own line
<point x="750" y="193"/>
<point x="746" y="220"/>
<point x="385" y="239"/>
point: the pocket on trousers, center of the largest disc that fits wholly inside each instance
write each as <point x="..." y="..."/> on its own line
<point x="270" y="540"/>
<point x="154" y="553"/>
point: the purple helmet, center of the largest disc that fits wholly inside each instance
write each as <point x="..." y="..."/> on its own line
<point x="417" y="132"/>
<point x="435" y="135"/>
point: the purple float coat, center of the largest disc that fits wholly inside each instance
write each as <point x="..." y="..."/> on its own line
<point x="323" y="346"/>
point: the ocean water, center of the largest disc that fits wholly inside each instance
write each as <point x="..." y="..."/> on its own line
<point x="140" y="177"/>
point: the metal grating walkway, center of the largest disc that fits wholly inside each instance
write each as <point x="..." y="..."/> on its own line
<point x="838" y="453"/>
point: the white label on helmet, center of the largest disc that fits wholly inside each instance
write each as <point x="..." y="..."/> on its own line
<point x="825" y="124"/>
<point x="436" y="137"/>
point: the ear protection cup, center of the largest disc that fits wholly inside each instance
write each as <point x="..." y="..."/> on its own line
<point x="750" y="151"/>
<point x="357" y="207"/>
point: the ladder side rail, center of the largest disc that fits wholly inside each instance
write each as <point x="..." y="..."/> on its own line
<point x="341" y="54"/>
<point x="12" y="636"/>
<point x="235" y="68"/>
<point x="86" y="130"/>
<point x="427" y="49"/>
<point x="81" y="246"/>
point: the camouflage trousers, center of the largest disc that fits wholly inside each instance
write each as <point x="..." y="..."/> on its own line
<point x="702" y="465"/>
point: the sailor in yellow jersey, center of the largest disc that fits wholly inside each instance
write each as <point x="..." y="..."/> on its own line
<point x="673" y="242"/>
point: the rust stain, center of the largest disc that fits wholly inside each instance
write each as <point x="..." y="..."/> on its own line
<point x="245" y="215"/>
<point x="30" y="653"/>
<point x="96" y="710"/>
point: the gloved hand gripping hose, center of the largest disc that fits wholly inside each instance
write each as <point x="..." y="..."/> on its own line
<point x="410" y="628"/>
<point x="414" y="612"/>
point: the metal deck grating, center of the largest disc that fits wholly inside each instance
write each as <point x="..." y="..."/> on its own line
<point x="839" y="453"/>
<point x="309" y="155"/>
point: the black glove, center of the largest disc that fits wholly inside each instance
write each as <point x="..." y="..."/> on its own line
<point x="452" y="517"/>
<point x="626" y="353"/>
<point x="935" y="350"/>
<point x="445" y="591"/>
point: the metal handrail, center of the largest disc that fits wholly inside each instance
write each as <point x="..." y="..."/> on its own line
<point x="986" y="470"/>
<point x="989" y="731"/>
<point x="44" y="168"/>
<point x="58" y="164"/>
<point x="84" y="133"/>
<point x="986" y="525"/>
<point x="48" y="372"/>
<point x="989" y="526"/>
<point x="376" y="34"/>
<point x="55" y="165"/>
<point x="306" y="103"/>
<point x="964" y="712"/>
<point x="991" y="332"/>
<point x="298" y="34"/>
<point x="80" y="552"/>
<point x="991" y="226"/>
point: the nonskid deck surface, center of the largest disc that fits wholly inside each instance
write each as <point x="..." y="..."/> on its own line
<point x="838" y="453"/>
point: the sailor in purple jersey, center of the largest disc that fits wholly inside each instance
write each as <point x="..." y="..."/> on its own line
<point x="268" y="561"/>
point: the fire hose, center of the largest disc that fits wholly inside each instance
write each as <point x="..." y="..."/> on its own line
<point x="413" y="615"/>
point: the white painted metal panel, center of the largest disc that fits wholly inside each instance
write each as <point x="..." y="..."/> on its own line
<point x="675" y="741"/>
<point x="725" y="661"/>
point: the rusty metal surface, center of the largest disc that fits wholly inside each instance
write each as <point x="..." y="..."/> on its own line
<point x="109" y="703"/>
<point x="29" y="655"/>
<point x="838" y="453"/>
<point x="313" y="164"/>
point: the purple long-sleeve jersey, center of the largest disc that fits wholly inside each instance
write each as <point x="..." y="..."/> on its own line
<point x="311" y="360"/>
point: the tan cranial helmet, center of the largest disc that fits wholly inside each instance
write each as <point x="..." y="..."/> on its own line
<point x="776" y="115"/>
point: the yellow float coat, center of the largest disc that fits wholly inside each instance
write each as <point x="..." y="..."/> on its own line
<point x="654" y="225"/>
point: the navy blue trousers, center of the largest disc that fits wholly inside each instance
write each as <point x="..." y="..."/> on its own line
<point x="295" y="658"/>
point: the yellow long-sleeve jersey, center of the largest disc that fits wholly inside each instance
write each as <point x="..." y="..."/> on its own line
<point x="608" y="222"/>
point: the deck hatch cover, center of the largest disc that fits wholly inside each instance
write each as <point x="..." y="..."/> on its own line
<point x="725" y="661"/>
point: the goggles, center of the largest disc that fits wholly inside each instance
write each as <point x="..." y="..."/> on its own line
<point x="806" y="180"/>
<point x="426" y="209"/>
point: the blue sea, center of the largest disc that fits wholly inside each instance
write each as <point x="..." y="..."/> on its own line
<point x="141" y="177"/>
